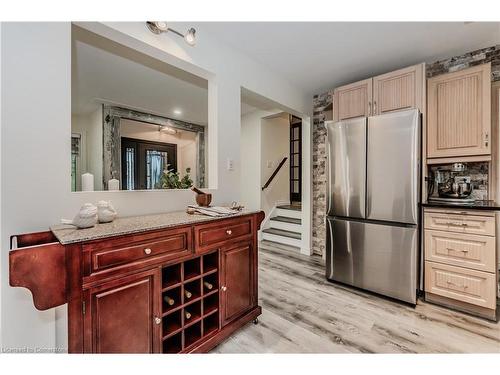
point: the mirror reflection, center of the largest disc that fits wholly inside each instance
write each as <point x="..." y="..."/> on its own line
<point x="137" y="123"/>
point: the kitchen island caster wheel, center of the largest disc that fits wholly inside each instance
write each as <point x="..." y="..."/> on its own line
<point x="256" y="321"/>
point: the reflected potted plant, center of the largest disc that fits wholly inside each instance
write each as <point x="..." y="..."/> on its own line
<point x="172" y="180"/>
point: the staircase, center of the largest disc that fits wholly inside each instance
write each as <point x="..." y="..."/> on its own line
<point x="285" y="226"/>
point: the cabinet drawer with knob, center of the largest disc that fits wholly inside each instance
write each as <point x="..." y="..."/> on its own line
<point x="139" y="250"/>
<point x="466" y="285"/>
<point x="208" y="235"/>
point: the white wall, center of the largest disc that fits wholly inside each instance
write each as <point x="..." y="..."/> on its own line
<point x="89" y="126"/>
<point x="95" y="147"/>
<point x="275" y="145"/>
<point x="250" y="147"/>
<point x="35" y="141"/>
<point x="265" y="140"/>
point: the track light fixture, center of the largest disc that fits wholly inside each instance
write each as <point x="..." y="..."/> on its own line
<point x="158" y="27"/>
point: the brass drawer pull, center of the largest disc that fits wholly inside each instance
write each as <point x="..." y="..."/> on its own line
<point x="463" y="251"/>
<point x="157" y="320"/>
<point x="229" y="232"/>
<point x="147" y="251"/>
<point x="223" y="288"/>
<point x="458" y="286"/>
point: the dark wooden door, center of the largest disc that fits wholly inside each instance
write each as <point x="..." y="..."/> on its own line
<point x="120" y="316"/>
<point x="138" y="157"/>
<point x="237" y="285"/>
<point x="295" y="159"/>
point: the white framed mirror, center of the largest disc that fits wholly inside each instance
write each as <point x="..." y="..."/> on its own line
<point x="137" y="123"/>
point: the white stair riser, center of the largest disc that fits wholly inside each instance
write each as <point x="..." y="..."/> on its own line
<point x="286" y="226"/>
<point x="281" y="239"/>
<point x="288" y="213"/>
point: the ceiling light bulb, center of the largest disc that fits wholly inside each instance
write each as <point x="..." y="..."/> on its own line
<point x="157" y="27"/>
<point x="190" y="37"/>
<point x="167" y="129"/>
<point x="177" y="112"/>
<point x="162" y="25"/>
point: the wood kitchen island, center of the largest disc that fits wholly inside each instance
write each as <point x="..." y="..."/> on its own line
<point x="166" y="283"/>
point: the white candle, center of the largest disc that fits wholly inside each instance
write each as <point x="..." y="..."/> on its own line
<point x="114" y="184"/>
<point x="87" y="182"/>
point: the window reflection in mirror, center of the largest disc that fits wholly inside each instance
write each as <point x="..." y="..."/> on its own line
<point x="137" y="123"/>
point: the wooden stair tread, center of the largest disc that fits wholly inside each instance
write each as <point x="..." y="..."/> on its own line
<point x="281" y="232"/>
<point x="290" y="207"/>
<point x="289" y="220"/>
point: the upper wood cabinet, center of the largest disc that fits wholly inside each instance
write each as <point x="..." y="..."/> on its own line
<point x="397" y="90"/>
<point x="459" y="113"/>
<point x="352" y="100"/>
<point x="400" y="89"/>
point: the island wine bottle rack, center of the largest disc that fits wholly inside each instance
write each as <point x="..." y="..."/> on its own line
<point x="190" y="302"/>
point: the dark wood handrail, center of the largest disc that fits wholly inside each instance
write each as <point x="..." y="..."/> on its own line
<point x="274" y="173"/>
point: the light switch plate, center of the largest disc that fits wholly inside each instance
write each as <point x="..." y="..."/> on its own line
<point x="269" y="163"/>
<point x="230" y="164"/>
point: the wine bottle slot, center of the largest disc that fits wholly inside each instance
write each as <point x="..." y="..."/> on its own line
<point x="187" y="293"/>
<point x="169" y="301"/>
<point x="208" y="285"/>
<point x="187" y="314"/>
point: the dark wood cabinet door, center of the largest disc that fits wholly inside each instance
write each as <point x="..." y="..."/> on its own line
<point x="121" y="315"/>
<point x="238" y="290"/>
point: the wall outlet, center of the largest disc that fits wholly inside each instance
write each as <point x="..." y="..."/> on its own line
<point x="230" y="164"/>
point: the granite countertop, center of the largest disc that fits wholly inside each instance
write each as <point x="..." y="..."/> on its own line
<point x="477" y="205"/>
<point x="68" y="234"/>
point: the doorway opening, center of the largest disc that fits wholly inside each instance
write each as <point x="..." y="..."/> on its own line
<point x="272" y="165"/>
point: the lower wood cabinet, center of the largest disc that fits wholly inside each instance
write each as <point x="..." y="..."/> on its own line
<point x="123" y="316"/>
<point x="461" y="284"/>
<point x="238" y="288"/>
<point x="461" y="260"/>
<point x="150" y="292"/>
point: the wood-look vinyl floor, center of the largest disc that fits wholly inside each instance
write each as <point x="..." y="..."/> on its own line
<point x="304" y="313"/>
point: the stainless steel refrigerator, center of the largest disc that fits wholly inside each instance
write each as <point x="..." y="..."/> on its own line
<point x="373" y="203"/>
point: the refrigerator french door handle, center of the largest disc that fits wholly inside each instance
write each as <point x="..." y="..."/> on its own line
<point x="328" y="177"/>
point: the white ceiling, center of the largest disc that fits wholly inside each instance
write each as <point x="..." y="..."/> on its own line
<point x="104" y="71"/>
<point x="316" y="57"/>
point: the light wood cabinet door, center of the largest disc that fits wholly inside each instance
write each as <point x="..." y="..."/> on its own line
<point x="460" y="223"/>
<point x="400" y="89"/>
<point x="462" y="284"/>
<point x="353" y="100"/>
<point x="462" y="250"/>
<point x="459" y="113"/>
